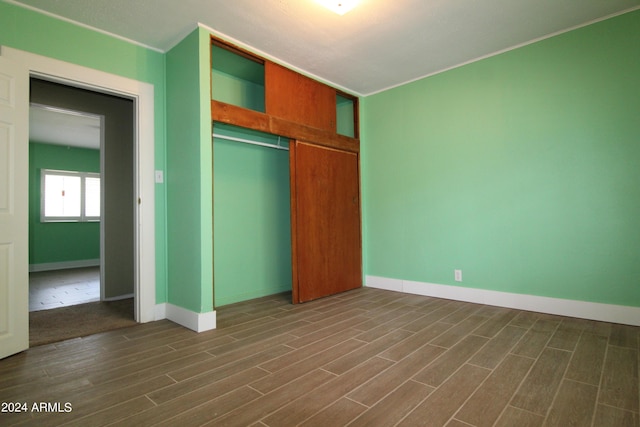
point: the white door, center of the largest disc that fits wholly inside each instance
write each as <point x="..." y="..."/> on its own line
<point x="14" y="189"/>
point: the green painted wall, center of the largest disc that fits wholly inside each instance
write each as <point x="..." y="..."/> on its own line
<point x="60" y="241"/>
<point x="33" y="32"/>
<point x="521" y="169"/>
<point x="252" y="227"/>
<point x="237" y="80"/>
<point x="345" y="124"/>
<point x="189" y="175"/>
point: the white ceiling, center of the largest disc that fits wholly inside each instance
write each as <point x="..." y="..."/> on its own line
<point x="51" y="125"/>
<point x="377" y="45"/>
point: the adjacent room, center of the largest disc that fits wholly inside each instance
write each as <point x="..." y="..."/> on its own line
<point x="64" y="221"/>
<point x="76" y="286"/>
<point x="367" y="213"/>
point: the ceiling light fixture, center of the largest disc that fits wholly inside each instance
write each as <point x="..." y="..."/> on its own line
<point x="339" y="6"/>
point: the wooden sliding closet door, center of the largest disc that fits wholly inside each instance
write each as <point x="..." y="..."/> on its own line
<point x="325" y="221"/>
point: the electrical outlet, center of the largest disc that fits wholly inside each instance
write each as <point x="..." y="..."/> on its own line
<point x="458" y="275"/>
<point x="159" y="177"/>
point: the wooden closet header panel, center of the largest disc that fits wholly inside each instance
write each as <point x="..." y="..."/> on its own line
<point x="297" y="98"/>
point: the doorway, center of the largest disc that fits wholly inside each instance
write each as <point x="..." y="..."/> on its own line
<point x="20" y="65"/>
<point x="90" y="140"/>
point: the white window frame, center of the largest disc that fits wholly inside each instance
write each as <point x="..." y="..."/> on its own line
<point x="83" y="176"/>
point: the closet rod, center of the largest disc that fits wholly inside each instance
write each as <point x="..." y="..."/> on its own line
<point x="248" y="141"/>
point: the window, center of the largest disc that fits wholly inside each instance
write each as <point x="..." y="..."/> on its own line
<point x="69" y="196"/>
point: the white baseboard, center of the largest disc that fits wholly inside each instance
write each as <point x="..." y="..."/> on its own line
<point x="582" y="309"/>
<point x="119" y="297"/>
<point x="199" y="322"/>
<point x="160" y="311"/>
<point x="50" y="266"/>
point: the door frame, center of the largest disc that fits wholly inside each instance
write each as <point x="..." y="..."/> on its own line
<point x="144" y="155"/>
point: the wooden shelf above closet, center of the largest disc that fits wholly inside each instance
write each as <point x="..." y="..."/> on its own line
<point x="238" y="116"/>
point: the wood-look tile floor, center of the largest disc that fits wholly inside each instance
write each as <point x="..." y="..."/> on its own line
<point x="363" y="358"/>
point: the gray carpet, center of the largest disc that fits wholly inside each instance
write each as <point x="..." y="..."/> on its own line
<point x="61" y="324"/>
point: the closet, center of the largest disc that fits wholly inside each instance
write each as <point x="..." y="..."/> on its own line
<point x="320" y="127"/>
<point x="251" y="214"/>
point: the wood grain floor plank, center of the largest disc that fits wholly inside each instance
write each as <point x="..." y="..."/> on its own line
<point x="395" y="406"/>
<point x="226" y="371"/>
<point x="164" y="337"/>
<point x="532" y="344"/>
<point x="418" y="301"/>
<point x="566" y="336"/>
<point x="339" y="307"/>
<point x="495" y="350"/>
<point x="311" y="350"/>
<point x="430" y="317"/>
<point x="546" y="323"/>
<point x="485" y="406"/>
<point x="440" y="406"/>
<point x="379" y="387"/>
<point x="525" y="319"/>
<point x="456" y="423"/>
<point x="241" y="324"/>
<point x="624" y="336"/>
<point x="382" y="317"/>
<point x="239" y="353"/>
<point x="574" y="405"/>
<point x="619" y="386"/>
<point x="353" y="359"/>
<point x="126" y="358"/>
<point x="513" y="417"/>
<point x="451" y="337"/>
<point x="539" y="387"/>
<point x="202" y="343"/>
<point x="536" y="339"/>
<point x="302" y="409"/>
<point x="598" y="328"/>
<point x="153" y="366"/>
<point x="194" y="399"/>
<point x="450" y="361"/>
<point x="490" y="310"/>
<point x="465" y="309"/>
<point x="21" y="377"/>
<point x="212" y="409"/>
<point x="113" y="414"/>
<point x="331" y="325"/>
<point x="339" y="413"/>
<point x="96" y="399"/>
<point x="412" y="343"/>
<point x="588" y="359"/>
<point x="272" y="328"/>
<point x="39" y="360"/>
<point x="48" y="387"/>
<point x="147" y="330"/>
<point x="269" y="403"/>
<point x="608" y="416"/>
<point x="495" y="324"/>
<point x="381" y="329"/>
<point x="257" y="337"/>
<point x="296" y="370"/>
